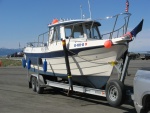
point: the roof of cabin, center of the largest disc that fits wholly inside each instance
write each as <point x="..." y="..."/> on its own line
<point x="69" y="22"/>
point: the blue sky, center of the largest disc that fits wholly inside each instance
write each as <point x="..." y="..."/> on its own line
<point x="21" y="21"/>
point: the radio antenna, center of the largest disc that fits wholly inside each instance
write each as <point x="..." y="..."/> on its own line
<point x="81" y="12"/>
<point x="89" y="9"/>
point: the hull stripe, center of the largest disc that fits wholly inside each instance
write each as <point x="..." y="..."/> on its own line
<point x="60" y="53"/>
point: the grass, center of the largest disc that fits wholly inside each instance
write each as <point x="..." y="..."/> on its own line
<point x="9" y="62"/>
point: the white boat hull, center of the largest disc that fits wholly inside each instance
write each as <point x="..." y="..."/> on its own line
<point x="89" y="68"/>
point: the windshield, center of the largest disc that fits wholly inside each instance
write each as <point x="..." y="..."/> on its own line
<point x="82" y="30"/>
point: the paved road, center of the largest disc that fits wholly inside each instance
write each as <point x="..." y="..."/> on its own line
<point x="16" y="97"/>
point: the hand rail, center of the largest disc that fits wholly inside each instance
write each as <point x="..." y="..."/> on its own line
<point x="42" y="37"/>
<point x="123" y="27"/>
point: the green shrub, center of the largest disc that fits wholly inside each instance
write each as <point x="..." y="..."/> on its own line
<point x="10" y="62"/>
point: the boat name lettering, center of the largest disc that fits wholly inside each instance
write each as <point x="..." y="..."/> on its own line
<point x="80" y="44"/>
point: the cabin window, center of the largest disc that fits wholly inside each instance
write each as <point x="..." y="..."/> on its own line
<point x="67" y="32"/>
<point x="56" y="35"/>
<point x="78" y="32"/>
<point x="93" y="32"/>
<point x="74" y="31"/>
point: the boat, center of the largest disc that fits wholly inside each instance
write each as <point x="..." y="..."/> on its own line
<point x="91" y="54"/>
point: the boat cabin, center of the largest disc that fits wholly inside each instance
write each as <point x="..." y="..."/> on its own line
<point x="80" y="30"/>
<point x="74" y="29"/>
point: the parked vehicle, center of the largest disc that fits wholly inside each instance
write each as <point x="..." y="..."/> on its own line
<point x="134" y="55"/>
<point x="141" y="94"/>
<point x="16" y="54"/>
<point x="145" y="56"/>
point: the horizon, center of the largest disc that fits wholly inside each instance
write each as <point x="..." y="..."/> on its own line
<point x="23" y="21"/>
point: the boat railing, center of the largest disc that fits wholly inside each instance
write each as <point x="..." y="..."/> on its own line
<point x="41" y="41"/>
<point x="36" y="44"/>
<point x="116" y="32"/>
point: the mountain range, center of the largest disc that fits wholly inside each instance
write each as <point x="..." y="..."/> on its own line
<point x="6" y="51"/>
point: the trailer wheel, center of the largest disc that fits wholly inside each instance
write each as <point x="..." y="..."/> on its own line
<point x="115" y="93"/>
<point x="33" y="82"/>
<point x="39" y="89"/>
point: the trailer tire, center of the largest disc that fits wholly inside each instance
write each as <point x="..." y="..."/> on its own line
<point x="39" y="89"/>
<point x="115" y="93"/>
<point x="33" y="82"/>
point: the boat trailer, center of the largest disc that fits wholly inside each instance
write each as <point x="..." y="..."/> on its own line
<point x="114" y="90"/>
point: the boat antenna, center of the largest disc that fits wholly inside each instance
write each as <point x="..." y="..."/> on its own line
<point x="81" y="12"/>
<point x="89" y="9"/>
<point x="19" y="45"/>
